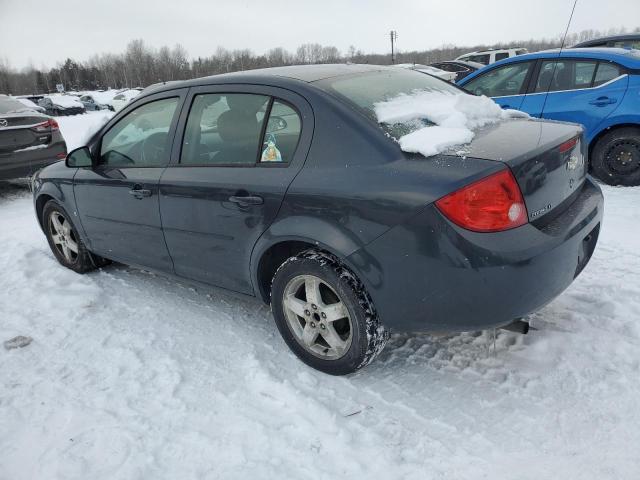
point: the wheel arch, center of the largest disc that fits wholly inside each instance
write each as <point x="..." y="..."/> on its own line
<point x="272" y="250"/>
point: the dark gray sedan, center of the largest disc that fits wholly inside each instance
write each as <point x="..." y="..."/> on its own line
<point x="281" y="184"/>
<point x="29" y="140"/>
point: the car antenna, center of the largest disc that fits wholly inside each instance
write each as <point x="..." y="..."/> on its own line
<point x="555" y="65"/>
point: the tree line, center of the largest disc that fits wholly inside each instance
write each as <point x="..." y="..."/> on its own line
<point x="141" y="65"/>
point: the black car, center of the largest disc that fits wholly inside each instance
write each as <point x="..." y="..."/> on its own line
<point x="29" y="140"/>
<point x="616" y="41"/>
<point x="62" y="105"/>
<point x="460" y="67"/>
<point x="280" y="183"/>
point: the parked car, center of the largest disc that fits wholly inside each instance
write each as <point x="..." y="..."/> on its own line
<point x="436" y="72"/>
<point x="281" y="183"/>
<point x="596" y="87"/>
<point x="123" y="98"/>
<point x="59" y="105"/>
<point x="30" y="105"/>
<point x="97" y="100"/>
<point x="617" y="41"/>
<point x="459" y="67"/>
<point x="29" y="140"/>
<point x="492" y="55"/>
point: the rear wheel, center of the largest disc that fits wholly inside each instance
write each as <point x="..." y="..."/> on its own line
<point x="64" y="241"/>
<point x="615" y="158"/>
<point x="325" y="315"/>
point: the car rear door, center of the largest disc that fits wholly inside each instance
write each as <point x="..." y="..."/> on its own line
<point x="582" y="91"/>
<point x="117" y="200"/>
<point x="238" y="149"/>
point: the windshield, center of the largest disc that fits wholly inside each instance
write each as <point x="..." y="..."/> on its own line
<point x="9" y="105"/>
<point x="364" y="91"/>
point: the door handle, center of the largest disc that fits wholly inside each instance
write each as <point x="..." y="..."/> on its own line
<point x="139" y="193"/>
<point x="602" y="101"/>
<point x="245" y="201"/>
<point x="504" y="107"/>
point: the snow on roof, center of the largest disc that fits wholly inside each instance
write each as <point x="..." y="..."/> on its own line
<point x="66" y="101"/>
<point x="454" y="117"/>
<point x="102" y="98"/>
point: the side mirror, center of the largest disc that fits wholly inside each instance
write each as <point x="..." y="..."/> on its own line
<point x="78" y="158"/>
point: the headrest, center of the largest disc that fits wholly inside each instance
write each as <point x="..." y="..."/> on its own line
<point x="237" y="126"/>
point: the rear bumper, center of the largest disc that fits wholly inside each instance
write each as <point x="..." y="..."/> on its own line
<point x="25" y="163"/>
<point x="430" y="275"/>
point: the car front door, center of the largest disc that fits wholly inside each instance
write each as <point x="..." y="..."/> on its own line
<point x="581" y="91"/>
<point x="117" y="199"/>
<point x="505" y="84"/>
<point x="239" y="149"/>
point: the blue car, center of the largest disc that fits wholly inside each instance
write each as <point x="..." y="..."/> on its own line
<point x="596" y="87"/>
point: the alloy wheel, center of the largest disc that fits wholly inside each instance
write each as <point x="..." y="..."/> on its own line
<point x="317" y="317"/>
<point x="63" y="236"/>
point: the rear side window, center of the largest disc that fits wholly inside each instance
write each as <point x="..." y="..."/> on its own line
<point x="282" y="133"/>
<point x="140" y="138"/>
<point x="224" y="129"/>
<point x="501" y="56"/>
<point x="501" y="81"/>
<point x="605" y="73"/>
<point x="562" y="75"/>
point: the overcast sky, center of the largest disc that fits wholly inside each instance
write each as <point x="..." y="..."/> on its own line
<point x="44" y="33"/>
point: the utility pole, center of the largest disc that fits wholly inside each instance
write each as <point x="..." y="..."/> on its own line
<point x="394" y="36"/>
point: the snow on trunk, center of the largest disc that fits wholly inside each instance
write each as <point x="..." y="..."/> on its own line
<point x="451" y="118"/>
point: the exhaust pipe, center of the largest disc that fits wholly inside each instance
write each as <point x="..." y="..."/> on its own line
<point x="518" y="326"/>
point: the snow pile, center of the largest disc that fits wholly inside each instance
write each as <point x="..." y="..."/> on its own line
<point x="77" y="130"/>
<point x="455" y="117"/>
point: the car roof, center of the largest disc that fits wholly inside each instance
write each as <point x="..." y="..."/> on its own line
<point x="626" y="58"/>
<point x="613" y="38"/>
<point x="270" y="76"/>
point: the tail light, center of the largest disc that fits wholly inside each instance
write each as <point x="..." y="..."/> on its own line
<point x="50" y="124"/>
<point x="492" y="204"/>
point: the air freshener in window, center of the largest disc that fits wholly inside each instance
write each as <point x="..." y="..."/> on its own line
<point x="271" y="152"/>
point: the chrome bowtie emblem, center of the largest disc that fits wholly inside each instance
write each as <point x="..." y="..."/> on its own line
<point x="3" y="122"/>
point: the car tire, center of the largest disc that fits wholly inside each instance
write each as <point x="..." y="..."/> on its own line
<point x="615" y="158"/>
<point x="64" y="241"/>
<point x="320" y="335"/>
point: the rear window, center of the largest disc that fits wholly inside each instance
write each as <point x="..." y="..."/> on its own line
<point x="9" y="105"/>
<point x="363" y="91"/>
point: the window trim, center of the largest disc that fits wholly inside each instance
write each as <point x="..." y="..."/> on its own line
<point x="96" y="146"/>
<point x="257" y="163"/>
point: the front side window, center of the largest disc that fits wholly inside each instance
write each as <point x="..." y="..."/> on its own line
<point x="140" y="138"/>
<point x="501" y="81"/>
<point x="558" y="75"/>
<point x="224" y="129"/>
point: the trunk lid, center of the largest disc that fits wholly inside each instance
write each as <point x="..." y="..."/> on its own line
<point x="548" y="160"/>
<point x="22" y="131"/>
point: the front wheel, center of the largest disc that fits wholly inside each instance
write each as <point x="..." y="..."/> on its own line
<point x="325" y="315"/>
<point x="64" y="241"/>
<point x="615" y="158"/>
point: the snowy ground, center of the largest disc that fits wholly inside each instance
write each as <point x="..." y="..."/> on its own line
<point x="134" y="376"/>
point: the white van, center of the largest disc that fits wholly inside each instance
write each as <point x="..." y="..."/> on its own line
<point x="493" y="55"/>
